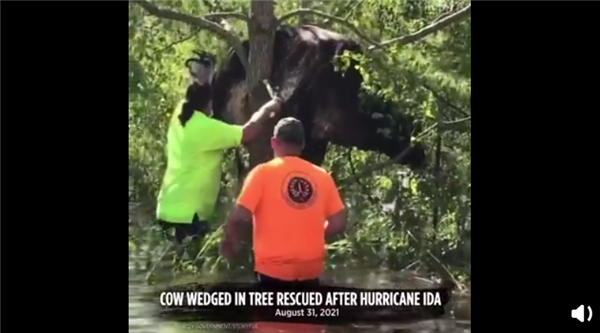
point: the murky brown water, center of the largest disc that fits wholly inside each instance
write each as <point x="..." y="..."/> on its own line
<point x="141" y="310"/>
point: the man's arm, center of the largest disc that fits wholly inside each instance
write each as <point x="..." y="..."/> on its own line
<point x="220" y="135"/>
<point x="238" y="217"/>
<point x="334" y="211"/>
<point x="247" y="202"/>
<point x="253" y="127"/>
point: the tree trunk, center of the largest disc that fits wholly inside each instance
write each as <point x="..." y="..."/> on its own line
<point x="261" y="30"/>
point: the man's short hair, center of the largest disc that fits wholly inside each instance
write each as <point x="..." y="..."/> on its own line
<point x="289" y="130"/>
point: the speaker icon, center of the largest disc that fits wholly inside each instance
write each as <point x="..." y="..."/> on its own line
<point x="580" y="315"/>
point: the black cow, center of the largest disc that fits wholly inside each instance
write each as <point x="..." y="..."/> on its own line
<point x="330" y="103"/>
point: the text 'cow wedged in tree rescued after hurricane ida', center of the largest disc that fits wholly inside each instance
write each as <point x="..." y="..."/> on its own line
<point x="330" y="103"/>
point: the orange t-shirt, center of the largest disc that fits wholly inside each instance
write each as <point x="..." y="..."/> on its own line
<point x="290" y="199"/>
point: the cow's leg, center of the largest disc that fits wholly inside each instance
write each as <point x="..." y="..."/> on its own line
<point x="314" y="151"/>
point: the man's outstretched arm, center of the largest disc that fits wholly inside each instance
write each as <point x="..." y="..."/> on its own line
<point x="220" y="135"/>
<point x="256" y="123"/>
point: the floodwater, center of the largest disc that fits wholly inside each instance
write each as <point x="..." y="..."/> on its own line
<point x="142" y="309"/>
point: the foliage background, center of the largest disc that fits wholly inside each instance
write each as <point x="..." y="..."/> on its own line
<point x="398" y="219"/>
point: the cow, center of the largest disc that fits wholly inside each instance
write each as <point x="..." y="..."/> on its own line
<point x="330" y="103"/>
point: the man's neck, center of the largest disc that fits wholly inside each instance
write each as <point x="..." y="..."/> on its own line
<point x="287" y="154"/>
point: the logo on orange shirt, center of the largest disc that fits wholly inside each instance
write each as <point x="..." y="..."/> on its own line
<point x="298" y="191"/>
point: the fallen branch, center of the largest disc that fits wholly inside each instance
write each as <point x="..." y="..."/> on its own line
<point x="202" y="23"/>
<point x="440" y="268"/>
<point x="457" y="121"/>
<point x="338" y="20"/>
<point x="428" y="30"/>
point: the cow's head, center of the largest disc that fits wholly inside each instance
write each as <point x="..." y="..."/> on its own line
<point x="388" y="130"/>
<point x="199" y="92"/>
<point x="375" y="126"/>
<point x="201" y="67"/>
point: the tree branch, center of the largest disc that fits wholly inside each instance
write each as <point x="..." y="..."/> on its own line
<point x="200" y="22"/>
<point x="438" y="24"/>
<point x="352" y="9"/>
<point x="445" y="100"/>
<point x="338" y="20"/>
<point x="218" y="14"/>
<point x="215" y="6"/>
<point x="301" y="17"/>
<point x="226" y="15"/>
<point x="428" y="30"/>
<point x="179" y="41"/>
<point x="349" y="10"/>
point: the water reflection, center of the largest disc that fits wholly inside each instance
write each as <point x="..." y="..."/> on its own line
<point x="141" y="308"/>
<point x="140" y="318"/>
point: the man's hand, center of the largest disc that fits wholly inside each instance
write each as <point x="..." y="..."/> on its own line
<point x="253" y="127"/>
<point x="273" y="107"/>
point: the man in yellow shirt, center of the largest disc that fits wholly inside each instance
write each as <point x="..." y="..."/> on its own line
<point x="195" y="147"/>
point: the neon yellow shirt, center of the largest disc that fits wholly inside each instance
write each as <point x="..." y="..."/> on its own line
<point x="193" y="176"/>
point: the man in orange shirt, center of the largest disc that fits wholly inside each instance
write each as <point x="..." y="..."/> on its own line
<point x="289" y="201"/>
